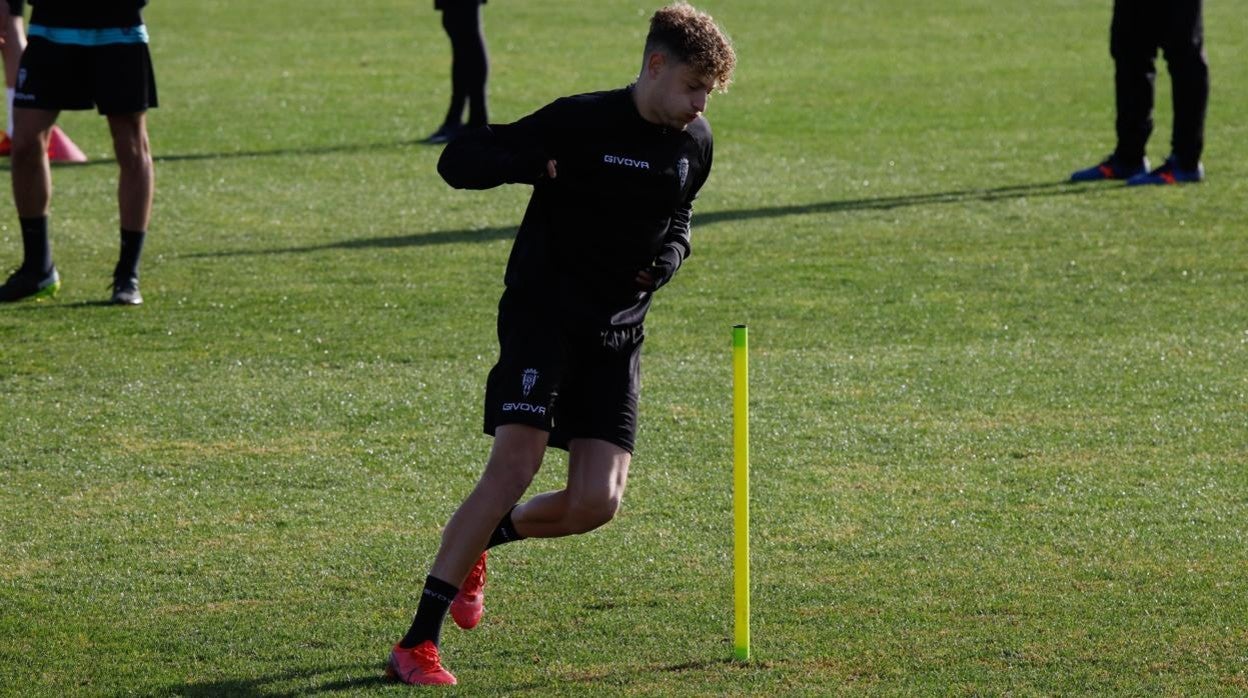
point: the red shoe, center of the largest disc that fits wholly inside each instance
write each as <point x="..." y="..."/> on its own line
<point x="6" y="146"/>
<point x="418" y="665"/>
<point x="469" y="603"/>
<point x="61" y="149"/>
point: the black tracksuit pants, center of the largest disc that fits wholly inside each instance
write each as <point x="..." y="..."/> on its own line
<point x="1139" y="28"/>
<point x="470" y="63"/>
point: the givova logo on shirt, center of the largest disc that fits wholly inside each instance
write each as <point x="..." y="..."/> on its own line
<point x="626" y="162"/>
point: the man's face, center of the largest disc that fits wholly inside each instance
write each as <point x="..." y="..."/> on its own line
<point x="680" y="93"/>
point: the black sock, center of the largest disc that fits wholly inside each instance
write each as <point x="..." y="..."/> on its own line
<point x="505" y="532"/>
<point x="35" y="245"/>
<point x="427" y="625"/>
<point x="131" y="248"/>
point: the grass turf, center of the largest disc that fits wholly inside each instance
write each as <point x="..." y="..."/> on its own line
<point x="999" y="421"/>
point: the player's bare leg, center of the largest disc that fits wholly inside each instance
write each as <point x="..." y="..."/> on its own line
<point x="597" y="476"/>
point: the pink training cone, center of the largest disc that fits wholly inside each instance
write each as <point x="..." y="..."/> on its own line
<point x="61" y="149"/>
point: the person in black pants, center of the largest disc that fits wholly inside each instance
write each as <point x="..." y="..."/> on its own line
<point x="1138" y="29"/>
<point x="470" y="67"/>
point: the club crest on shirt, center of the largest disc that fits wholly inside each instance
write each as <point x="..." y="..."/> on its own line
<point x="682" y="169"/>
<point x="528" y="379"/>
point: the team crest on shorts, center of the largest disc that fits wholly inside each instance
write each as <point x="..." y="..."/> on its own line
<point x="682" y="169"/>
<point x="528" y="379"/>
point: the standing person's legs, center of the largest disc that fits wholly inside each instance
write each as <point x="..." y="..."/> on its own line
<point x="470" y="63"/>
<point x="32" y="174"/>
<point x="32" y="195"/>
<point x="1133" y="45"/>
<point x="45" y="88"/>
<point x="135" y="185"/>
<point x="135" y="182"/>
<point x="32" y="185"/>
<point x="1184" y="48"/>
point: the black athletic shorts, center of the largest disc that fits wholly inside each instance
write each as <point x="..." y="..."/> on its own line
<point x="573" y="383"/>
<point x="113" y="78"/>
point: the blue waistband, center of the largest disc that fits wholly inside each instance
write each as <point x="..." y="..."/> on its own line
<point x="90" y="37"/>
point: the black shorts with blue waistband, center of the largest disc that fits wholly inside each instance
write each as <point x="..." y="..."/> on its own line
<point x="109" y="68"/>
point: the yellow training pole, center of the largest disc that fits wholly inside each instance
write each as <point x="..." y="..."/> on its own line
<point x="741" y="491"/>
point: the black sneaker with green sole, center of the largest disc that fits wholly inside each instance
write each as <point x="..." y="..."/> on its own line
<point x="35" y="285"/>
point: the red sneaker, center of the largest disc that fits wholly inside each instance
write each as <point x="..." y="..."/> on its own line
<point x="469" y="603"/>
<point x="6" y="146"/>
<point x="418" y="665"/>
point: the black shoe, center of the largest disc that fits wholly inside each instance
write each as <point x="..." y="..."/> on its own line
<point x="445" y="134"/>
<point x="27" y="284"/>
<point x="126" y="291"/>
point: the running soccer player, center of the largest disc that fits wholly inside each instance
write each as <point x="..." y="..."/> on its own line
<point x="614" y="176"/>
<point x="82" y="54"/>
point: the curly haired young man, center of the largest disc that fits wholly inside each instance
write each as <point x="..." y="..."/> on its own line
<point x="614" y="176"/>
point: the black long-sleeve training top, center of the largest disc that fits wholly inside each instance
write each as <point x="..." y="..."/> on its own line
<point x="621" y="201"/>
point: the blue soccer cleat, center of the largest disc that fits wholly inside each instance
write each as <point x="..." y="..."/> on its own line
<point x="1111" y="168"/>
<point x="1169" y="173"/>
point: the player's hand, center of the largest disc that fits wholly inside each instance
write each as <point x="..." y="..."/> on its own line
<point x="551" y="173"/>
<point x="645" y="280"/>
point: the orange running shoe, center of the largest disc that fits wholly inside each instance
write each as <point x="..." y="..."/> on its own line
<point x="469" y="603"/>
<point x="418" y="665"/>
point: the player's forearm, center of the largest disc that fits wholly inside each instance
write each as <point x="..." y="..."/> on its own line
<point x="480" y="159"/>
<point x="676" y="249"/>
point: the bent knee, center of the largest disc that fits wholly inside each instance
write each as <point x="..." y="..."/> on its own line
<point x="588" y="515"/>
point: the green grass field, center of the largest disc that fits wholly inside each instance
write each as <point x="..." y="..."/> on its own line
<point x="1000" y="422"/>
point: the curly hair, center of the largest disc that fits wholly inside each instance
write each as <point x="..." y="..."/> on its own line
<point x="693" y="37"/>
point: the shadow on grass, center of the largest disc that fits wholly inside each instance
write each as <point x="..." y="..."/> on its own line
<point x="46" y="304"/>
<point x="618" y="679"/>
<point x="265" y="685"/>
<point x="269" y="686"/>
<point x="247" y="154"/>
<point x="442" y="237"/>
<point x="885" y="203"/>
